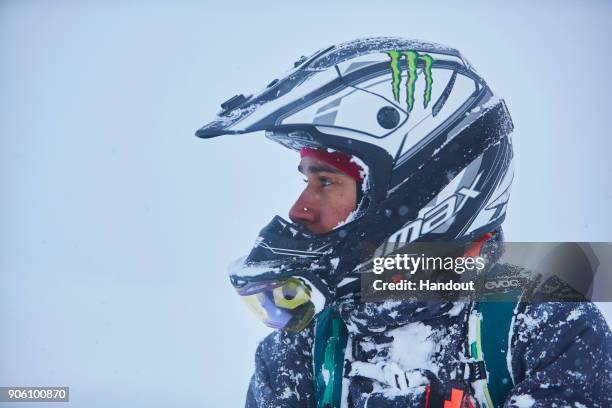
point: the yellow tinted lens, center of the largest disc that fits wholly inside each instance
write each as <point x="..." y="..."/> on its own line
<point x="256" y="305"/>
<point x="291" y="294"/>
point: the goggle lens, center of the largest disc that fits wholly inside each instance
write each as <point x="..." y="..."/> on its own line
<point x="281" y="305"/>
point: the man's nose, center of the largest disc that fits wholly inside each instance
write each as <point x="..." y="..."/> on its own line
<point x="304" y="211"/>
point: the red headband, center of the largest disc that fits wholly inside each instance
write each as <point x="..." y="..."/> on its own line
<point x="341" y="161"/>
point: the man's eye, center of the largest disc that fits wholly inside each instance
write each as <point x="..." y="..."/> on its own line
<point x="325" y="181"/>
<point x="305" y="180"/>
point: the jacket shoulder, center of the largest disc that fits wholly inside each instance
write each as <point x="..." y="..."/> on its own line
<point x="561" y="352"/>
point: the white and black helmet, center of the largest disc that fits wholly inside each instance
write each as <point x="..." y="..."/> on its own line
<point x="434" y="138"/>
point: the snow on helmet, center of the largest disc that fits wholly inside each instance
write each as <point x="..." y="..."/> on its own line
<point x="434" y="139"/>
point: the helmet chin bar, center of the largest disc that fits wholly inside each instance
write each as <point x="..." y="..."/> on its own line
<point x="283" y="249"/>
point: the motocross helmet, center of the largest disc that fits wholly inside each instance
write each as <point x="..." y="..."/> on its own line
<point x="432" y="138"/>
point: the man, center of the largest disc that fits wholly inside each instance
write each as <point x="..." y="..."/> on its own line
<point x="401" y="142"/>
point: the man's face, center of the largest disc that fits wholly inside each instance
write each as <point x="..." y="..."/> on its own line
<point x="328" y="199"/>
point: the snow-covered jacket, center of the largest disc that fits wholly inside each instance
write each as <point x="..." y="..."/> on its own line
<point x="559" y="354"/>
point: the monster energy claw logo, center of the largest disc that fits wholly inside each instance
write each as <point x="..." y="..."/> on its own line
<point x="412" y="59"/>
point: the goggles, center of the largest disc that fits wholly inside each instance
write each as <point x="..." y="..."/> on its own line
<point x="288" y="304"/>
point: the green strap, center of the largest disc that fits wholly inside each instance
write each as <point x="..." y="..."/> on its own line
<point x="496" y="310"/>
<point x="494" y="330"/>
<point x="330" y="343"/>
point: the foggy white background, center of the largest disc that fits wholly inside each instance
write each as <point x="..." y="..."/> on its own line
<point x="117" y="224"/>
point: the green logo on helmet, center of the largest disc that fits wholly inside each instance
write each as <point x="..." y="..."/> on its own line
<point x="412" y="59"/>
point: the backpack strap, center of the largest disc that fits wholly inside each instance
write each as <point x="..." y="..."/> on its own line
<point x="491" y="348"/>
<point x="489" y="331"/>
<point x="330" y="341"/>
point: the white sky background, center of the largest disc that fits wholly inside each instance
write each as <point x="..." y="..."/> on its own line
<point x="118" y="224"/>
